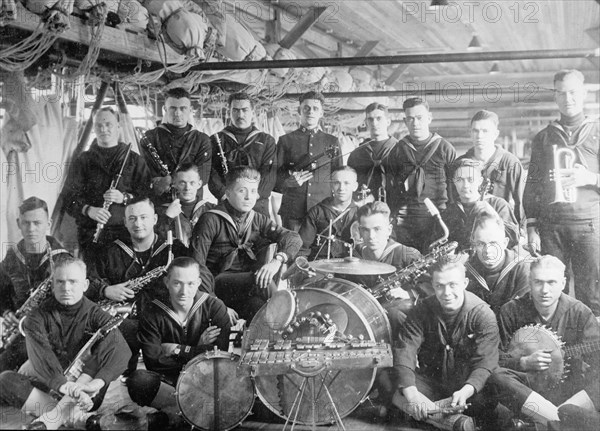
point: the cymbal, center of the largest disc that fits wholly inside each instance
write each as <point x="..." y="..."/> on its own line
<point x="351" y="266"/>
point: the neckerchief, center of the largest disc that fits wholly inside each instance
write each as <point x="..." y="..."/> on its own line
<point x="378" y="163"/>
<point x="505" y="271"/>
<point x="131" y="253"/>
<point x="338" y="218"/>
<point x="47" y="257"/>
<point x="491" y="169"/>
<point x="188" y="224"/>
<point x="171" y="313"/>
<point x="238" y="237"/>
<point x="415" y="180"/>
<point x="238" y="155"/>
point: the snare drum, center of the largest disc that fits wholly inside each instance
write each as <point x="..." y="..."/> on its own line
<point x="210" y="395"/>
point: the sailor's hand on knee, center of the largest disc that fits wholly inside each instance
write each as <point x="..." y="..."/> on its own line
<point x="460" y="397"/>
<point x="233" y="316"/>
<point x="416" y="405"/>
<point x="266" y="273"/>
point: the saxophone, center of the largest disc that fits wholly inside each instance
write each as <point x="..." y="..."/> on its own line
<point x="11" y="332"/>
<point x="136" y="284"/>
<point x="409" y="275"/>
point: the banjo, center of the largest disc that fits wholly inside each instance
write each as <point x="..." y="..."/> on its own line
<point x="531" y="338"/>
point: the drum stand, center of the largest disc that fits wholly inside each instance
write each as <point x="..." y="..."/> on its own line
<point x="309" y="379"/>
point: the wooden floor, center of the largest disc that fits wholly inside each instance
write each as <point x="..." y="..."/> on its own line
<point x="363" y="418"/>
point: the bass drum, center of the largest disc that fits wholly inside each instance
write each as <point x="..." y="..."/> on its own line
<point x="210" y="395"/>
<point x="319" y="399"/>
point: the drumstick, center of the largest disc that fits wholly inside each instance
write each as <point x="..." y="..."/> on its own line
<point x="448" y="410"/>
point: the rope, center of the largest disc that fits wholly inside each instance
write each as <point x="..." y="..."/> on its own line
<point x="26" y="52"/>
<point x="98" y="23"/>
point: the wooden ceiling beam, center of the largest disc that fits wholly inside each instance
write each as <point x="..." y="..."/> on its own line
<point x="365" y="50"/>
<point x="305" y="22"/>
<point x="396" y="73"/>
<point x="115" y="40"/>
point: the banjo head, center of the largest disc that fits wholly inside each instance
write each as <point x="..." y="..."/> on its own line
<point x="531" y="338"/>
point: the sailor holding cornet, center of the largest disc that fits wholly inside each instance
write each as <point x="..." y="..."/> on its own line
<point x="562" y="194"/>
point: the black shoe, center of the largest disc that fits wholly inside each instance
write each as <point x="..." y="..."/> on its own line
<point x="464" y="423"/>
<point x="35" y="425"/>
<point x="93" y="423"/>
<point x="157" y="421"/>
<point x="575" y="418"/>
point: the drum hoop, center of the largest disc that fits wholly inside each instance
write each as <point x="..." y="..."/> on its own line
<point x="211" y="355"/>
<point x="293" y="308"/>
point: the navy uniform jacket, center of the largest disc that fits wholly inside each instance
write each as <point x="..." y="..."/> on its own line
<point x="508" y="179"/>
<point x="370" y="167"/>
<point x="22" y="272"/>
<point x="174" y="150"/>
<point x="539" y="190"/>
<point x="91" y="176"/>
<point x="508" y="282"/>
<point x="468" y="354"/>
<point x="236" y="241"/>
<point x="317" y="222"/>
<point x="257" y="151"/>
<point x="292" y="150"/>
<point x="161" y="325"/>
<point x="573" y="321"/>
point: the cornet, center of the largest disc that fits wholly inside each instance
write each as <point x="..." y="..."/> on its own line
<point x="567" y="157"/>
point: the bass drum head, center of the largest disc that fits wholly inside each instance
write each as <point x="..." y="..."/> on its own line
<point x="211" y="396"/>
<point x="309" y="400"/>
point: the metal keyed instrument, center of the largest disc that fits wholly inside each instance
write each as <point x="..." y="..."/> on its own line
<point x="564" y="158"/>
<point x="10" y="332"/>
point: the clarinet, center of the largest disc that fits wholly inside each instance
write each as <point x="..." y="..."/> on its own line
<point x="162" y="166"/>
<point x="113" y="185"/>
<point x="75" y="368"/>
<point x="222" y="155"/>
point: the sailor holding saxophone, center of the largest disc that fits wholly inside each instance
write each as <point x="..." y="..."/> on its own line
<point x="562" y="194"/>
<point x="126" y="264"/>
<point x="26" y="266"/>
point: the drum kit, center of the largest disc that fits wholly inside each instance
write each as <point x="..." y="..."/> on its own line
<point x="310" y="354"/>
